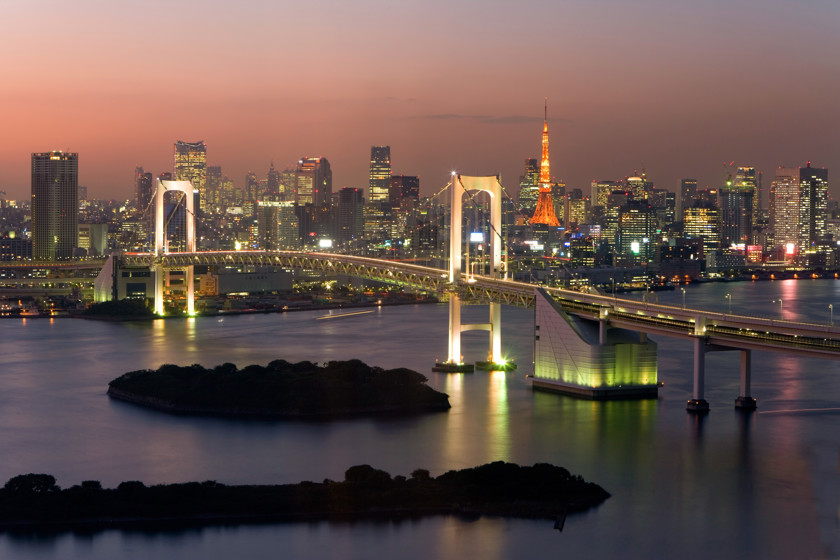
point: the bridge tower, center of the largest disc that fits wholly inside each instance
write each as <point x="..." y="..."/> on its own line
<point x="463" y="185"/>
<point x="162" y="245"/>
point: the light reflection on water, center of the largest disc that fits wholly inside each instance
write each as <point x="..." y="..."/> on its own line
<point x="728" y="482"/>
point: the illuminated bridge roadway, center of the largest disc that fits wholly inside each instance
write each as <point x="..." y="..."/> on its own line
<point x="709" y="330"/>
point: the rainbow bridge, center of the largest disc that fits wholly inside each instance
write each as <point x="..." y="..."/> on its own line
<point x="591" y="317"/>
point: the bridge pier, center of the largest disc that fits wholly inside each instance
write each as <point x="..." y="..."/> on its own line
<point x="744" y="400"/>
<point x="697" y="403"/>
<point x="454" y="356"/>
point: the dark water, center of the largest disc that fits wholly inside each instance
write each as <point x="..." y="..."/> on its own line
<point x="728" y="485"/>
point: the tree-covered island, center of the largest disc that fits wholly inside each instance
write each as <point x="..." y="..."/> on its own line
<point x="505" y="489"/>
<point x="280" y="390"/>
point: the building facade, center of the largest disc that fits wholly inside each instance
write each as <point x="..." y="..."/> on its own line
<point x="55" y="205"/>
<point x="191" y="165"/>
<point x="380" y="173"/>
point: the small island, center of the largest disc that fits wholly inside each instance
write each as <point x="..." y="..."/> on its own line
<point x="280" y="390"/>
<point x="503" y="489"/>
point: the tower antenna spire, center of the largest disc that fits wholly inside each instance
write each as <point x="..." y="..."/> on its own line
<point x="544" y="212"/>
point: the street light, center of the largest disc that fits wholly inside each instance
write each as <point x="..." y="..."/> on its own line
<point x="781" y="310"/>
<point x="831" y="314"/>
<point x="683" y="291"/>
<point x="729" y="297"/>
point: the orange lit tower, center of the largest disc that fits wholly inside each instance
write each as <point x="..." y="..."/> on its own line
<point x="544" y="212"/>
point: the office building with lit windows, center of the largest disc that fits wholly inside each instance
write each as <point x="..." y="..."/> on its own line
<point x="55" y="205"/>
<point x="313" y="181"/>
<point x="380" y="173"/>
<point x="191" y="165"/>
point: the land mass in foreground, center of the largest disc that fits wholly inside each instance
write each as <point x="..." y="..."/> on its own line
<point x="506" y="489"/>
<point x="281" y="390"/>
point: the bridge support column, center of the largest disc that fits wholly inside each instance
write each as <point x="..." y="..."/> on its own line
<point x="697" y="403"/>
<point x="495" y="332"/>
<point x="190" y="280"/>
<point x="159" y="280"/>
<point x="744" y="400"/>
<point x="454" y="329"/>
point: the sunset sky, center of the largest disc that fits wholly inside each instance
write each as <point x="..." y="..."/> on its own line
<point x="674" y="87"/>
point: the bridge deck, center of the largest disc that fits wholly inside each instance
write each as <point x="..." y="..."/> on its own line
<point x="736" y="331"/>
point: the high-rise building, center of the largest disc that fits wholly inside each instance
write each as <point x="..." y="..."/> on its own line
<point x="273" y="183"/>
<point x="351" y="215"/>
<point x="735" y="200"/>
<point x="544" y="212"/>
<point x="813" y="204"/>
<point x="745" y="180"/>
<point x="637" y="232"/>
<point x="252" y="186"/>
<point x="313" y="181"/>
<point x="403" y="187"/>
<point x="55" y="205"/>
<point x="277" y="225"/>
<point x="191" y="165"/>
<point x="686" y="196"/>
<point x="701" y="221"/>
<point x="784" y="207"/>
<point x="380" y="173"/>
<point x="529" y="186"/>
<point x="214" y="185"/>
<point x="143" y="189"/>
<point x="601" y="190"/>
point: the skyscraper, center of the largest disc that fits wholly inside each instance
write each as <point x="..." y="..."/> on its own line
<point x="784" y="207"/>
<point x="350" y="223"/>
<point x="313" y="181"/>
<point x="191" y="165"/>
<point x="529" y="186"/>
<point x="143" y="188"/>
<point x="403" y="186"/>
<point x="544" y="212"/>
<point x="686" y="196"/>
<point x="380" y="173"/>
<point x="736" y="212"/>
<point x="55" y="205"/>
<point x="813" y="202"/>
<point x="273" y="182"/>
<point x="745" y="180"/>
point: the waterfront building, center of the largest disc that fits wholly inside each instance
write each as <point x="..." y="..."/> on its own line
<point x="380" y="173"/>
<point x="813" y="204"/>
<point x="784" y="208"/>
<point x="736" y="213"/>
<point x="55" y="205"/>
<point x="701" y="221"/>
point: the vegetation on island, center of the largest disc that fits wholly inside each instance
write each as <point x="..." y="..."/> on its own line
<point x="280" y="389"/>
<point x="121" y="309"/>
<point x="540" y="491"/>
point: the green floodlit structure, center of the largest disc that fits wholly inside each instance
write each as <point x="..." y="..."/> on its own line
<point x="584" y="358"/>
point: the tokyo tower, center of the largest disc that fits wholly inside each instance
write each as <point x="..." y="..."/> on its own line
<point x="544" y="212"/>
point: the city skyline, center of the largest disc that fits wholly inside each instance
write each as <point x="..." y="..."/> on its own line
<point x="630" y="87"/>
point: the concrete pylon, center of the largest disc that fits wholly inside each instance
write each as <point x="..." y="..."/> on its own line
<point x="162" y="245"/>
